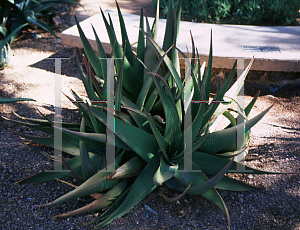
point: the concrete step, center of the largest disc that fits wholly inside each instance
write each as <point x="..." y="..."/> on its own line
<point x="229" y="41"/>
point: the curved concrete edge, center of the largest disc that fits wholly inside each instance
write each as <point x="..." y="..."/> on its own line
<point x="227" y="41"/>
<point x="259" y="64"/>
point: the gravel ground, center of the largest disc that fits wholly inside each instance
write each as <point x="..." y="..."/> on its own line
<point x="274" y="146"/>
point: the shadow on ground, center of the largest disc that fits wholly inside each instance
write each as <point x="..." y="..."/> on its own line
<point x="68" y="65"/>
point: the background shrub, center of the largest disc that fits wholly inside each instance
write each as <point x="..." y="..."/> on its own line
<point x="246" y="12"/>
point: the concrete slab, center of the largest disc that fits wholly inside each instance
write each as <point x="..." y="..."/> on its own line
<point x="227" y="41"/>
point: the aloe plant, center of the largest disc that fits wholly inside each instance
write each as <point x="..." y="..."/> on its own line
<point x="150" y="134"/>
<point x="5" y="53"/>
<point x="9" y="100"/>
<point x="17" y="14"/>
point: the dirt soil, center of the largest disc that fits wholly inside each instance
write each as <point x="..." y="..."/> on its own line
<point x="274" y="146"/>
